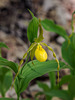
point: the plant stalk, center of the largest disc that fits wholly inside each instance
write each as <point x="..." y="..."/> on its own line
<point x="17" y="97"/>
<point x="25" y="62"/>
<point x="52" y="78"/>
<point x="0" y="53"/>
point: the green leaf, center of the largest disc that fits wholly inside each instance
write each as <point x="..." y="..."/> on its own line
<point x="6" y="99"/>
<point x="43" y="86"/>
<point x="32" y="52"/>
<point x="59" y="93"/>
<point x="71" y="86"/>
<point x="67" y="66"/>
<point x="52" y="78"/>
<point x="3" y="45"/>
<point x="5" y="80"/>
<point x="9" y="64"/>
<point x="31" y="13"/>
<point x="65" y="79"/>
<point x="49" y="25"/>
<point x="39" y="93"/>
<point x="68" y="53"/>
<point x="31" y="71"/>
<point x="32" y="29"/>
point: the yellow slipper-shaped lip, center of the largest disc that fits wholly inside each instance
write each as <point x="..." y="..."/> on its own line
<point x="40" y="54"/>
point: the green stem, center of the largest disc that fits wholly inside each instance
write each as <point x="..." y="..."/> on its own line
<point x="52" y="78"/>
<point x="17" y="97"/>
<point x="72" y="22"/>
<point x="3" y="94"/>
<point x="0" y="53"/>
<point x="21" y="69"/>
<point x="25" y="62"/>
<point x="72" y="26"/>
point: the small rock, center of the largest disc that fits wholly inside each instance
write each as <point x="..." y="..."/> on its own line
<point x="4" y="3"/>
<point x="60" y="40"/>
<point x="56" y="98"/>
<point x="22" y="23"/>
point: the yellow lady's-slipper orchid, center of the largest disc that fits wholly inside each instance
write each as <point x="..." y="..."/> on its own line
<point x="40" y="54"/>
<point x="36" y="50"/>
